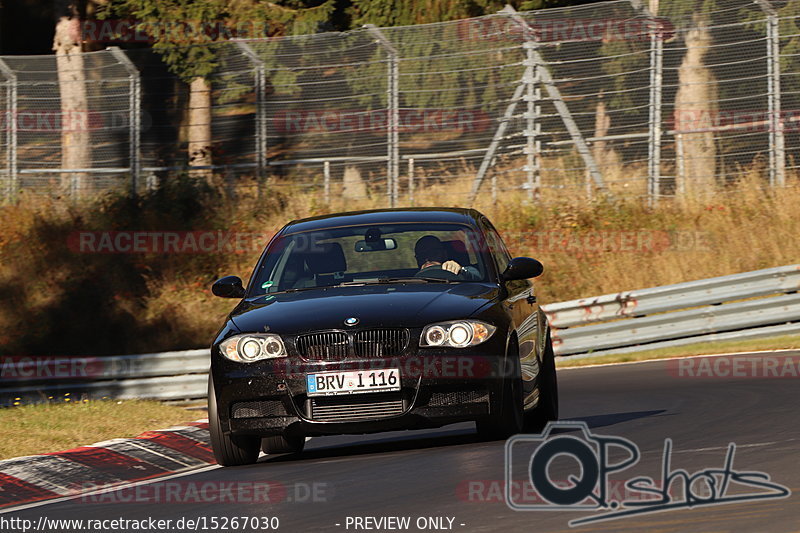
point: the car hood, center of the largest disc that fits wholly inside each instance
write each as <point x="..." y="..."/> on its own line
<point x="385" y="305"/>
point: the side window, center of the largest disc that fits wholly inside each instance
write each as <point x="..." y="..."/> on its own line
<point x="496" y="246"/>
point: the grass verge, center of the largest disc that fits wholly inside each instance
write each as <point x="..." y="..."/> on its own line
<point x="44" y="428"/>
<point x="704" y="348"/>
<point x="126" y="302"/>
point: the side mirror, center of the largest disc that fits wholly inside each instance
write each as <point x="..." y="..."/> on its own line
<point x="228" y="287"/>
<point x="522" y="268"/>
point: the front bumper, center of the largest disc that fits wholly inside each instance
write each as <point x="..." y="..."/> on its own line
<point x="437" y="388"/>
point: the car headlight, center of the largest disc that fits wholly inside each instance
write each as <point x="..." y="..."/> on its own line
<point x="456" y="334"/>
<point x="253" y="347"/>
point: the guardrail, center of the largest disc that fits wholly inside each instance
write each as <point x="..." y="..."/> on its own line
<point x="754" y="304"/>
<point x="763" y="303"/>
<point x="180" y="375"/>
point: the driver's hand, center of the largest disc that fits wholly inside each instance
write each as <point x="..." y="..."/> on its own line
<point x="451" y="266"/>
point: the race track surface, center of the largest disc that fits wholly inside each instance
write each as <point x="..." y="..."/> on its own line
<point x="449" y="473"/>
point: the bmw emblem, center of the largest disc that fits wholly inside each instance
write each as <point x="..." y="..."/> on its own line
<point x="352" y="321"/>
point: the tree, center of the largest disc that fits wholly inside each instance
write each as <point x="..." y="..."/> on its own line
<point x="697" y="96"/>
<point x="75" y="152"/>
<point x="385" y="13"/>
<point x="180" y="33"/>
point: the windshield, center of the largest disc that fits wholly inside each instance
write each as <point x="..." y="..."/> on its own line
<point x="391" y="253"/>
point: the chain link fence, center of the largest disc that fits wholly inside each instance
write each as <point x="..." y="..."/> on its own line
<point x="549" y="104"/>
<point x="66" y="132"/>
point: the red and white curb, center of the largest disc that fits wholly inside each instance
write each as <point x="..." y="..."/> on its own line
<point x="105" y="464"/>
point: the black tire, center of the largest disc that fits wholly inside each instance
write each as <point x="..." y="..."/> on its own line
<point x="282" y="444"/>
<point x="511" y="419"/>
<point x="547" y="408"/>
<point x="229" y="450"/>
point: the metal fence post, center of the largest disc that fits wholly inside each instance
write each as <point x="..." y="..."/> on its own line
<point x="260" y="80"/>
<point x="326" y="176"/>
<point x="680" y="165"/>
<point x="533" y="126"/>
<point x="394" y="127"/>
<point x="655" y="130"/>
<point x="135" y="111"/>
<point x="411" y="181"/>
<point x="12" y="185"/>
<point x="777" y="149"/>
<point x="393" y="107"/>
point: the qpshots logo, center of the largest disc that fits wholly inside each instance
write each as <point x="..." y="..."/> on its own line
<point x="594" y="463"/>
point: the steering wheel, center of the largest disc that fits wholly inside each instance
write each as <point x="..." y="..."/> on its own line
<point x="436" y="271"/>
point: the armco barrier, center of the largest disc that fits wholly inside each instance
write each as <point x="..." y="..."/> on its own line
<point x="728" y="307"/>
<point x="180" y="375"/>
<point x="672" y="297"/>
<point x="763" y="303"/>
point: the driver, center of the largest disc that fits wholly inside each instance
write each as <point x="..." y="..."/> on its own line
<point x="432" y="259"/>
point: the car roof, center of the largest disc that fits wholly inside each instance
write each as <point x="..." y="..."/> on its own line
<point x="386" y="216"/>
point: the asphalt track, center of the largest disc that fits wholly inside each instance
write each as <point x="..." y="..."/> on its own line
<point x="428" y="474"/>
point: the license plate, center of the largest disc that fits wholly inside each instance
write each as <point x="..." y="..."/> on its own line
<point x="331" y="383"/>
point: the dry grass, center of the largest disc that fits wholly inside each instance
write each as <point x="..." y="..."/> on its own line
<point x="128" y="303"/>
<point x="34" y="429"/>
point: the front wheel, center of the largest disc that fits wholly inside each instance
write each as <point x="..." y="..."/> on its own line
<point x="229" y="450"/>
<point x="511" y="418"/>
<point x="282" y="444"/>
<point x="546" y="409"/>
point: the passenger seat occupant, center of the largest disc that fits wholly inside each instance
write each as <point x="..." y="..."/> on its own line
<point x="432" y="261"/>
<point x="326" y="262"/>
<point x="294" y="273"/>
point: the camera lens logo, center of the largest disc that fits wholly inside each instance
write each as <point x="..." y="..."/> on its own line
<point x="568" y="468"/>
<point x="352" y="321"/>
<point x="568" y="445"/>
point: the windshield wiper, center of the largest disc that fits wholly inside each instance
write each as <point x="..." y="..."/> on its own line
<point x="375" y="281"/>
<point x="284" y="291"/>
<point x="410" y="279"/>
<point x="424" y="279"/>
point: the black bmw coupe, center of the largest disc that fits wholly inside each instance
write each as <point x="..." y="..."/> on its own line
<point x="379" y="320"/>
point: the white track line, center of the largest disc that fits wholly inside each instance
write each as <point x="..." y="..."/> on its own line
<point x="749" y="352"/>
<point x="109" y="489"/>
